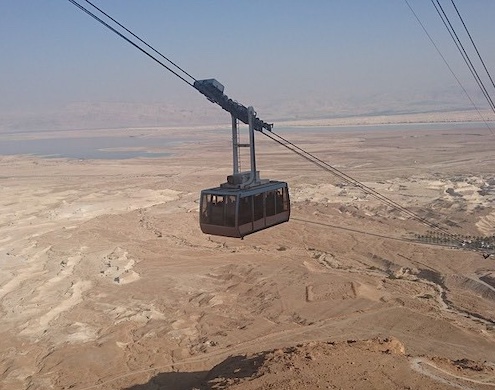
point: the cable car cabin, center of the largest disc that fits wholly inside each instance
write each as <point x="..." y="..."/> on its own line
<point x="234" y="212"/>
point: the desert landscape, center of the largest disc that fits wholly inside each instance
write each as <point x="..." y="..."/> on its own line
<point x="106" y="281"/>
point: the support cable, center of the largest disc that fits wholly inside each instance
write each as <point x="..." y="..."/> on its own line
<point x="212" y="91"/>
<point x="139" y="39"/>
<point x="462" y="51"/>
<point x="472" y="41"/>
<point x="128" y="40"/>
<point x="348" y="179"/>
<point x="448" y="66"/>
<point x="474" y="45"/>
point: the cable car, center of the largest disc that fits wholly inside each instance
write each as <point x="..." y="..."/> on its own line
<point x="244" y="204"/>
<point x="235" y="212"/>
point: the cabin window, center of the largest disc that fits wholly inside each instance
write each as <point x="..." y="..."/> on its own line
<point x="245" y="210"/>
<point x="230" y="210"/>
<point x="258" y="207"/>
<point x="205" y="212"/>
<point x="218" y="210"/>
<point x="270" y="202"/>
<point x="282" y="200"/>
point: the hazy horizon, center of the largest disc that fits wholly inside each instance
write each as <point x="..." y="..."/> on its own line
<point x="288" y="59"/>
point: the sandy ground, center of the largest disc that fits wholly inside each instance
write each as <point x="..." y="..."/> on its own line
<point x="106" y="281"/>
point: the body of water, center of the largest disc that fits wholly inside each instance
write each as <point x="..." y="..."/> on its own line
<point x="90" y="147"/>
<point x="126" y="147"/>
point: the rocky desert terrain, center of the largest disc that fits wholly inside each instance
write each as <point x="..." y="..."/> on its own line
<point x="106" y="281"/>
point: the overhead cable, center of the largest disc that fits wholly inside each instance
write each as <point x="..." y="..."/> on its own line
<point x="448" y="66"/>
<point x="460" y="47"/>
<point x="82" y="8"/>
<point x="474" y="45"/>
<point x="139" y="39"/>
<point x="350" y="180"/>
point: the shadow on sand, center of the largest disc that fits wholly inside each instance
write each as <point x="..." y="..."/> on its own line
<point x="231" y="369"/>
<point x="173" y="381"/>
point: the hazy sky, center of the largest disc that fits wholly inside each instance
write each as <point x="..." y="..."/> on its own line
<point x="263" y="51"/>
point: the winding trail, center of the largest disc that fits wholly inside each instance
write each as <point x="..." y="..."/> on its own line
<point x="425" y="367"/>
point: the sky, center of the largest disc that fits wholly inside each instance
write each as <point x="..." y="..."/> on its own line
<point x="277" y="55"/>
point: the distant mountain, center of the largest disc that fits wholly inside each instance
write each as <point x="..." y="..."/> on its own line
<point x="98" y="115"/>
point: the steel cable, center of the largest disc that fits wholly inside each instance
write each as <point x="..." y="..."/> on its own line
<point x="139" y="39"/>
<point x="462" y="51"/>
<point x="448" y="66"/>
<point x="350" y="180"/>
<point x="474" y="45"/>
<point x="128" y="40"/>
